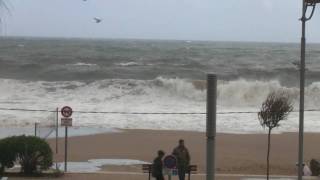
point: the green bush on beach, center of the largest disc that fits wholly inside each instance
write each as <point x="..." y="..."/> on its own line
<point x="7" y="154"/>
<point x="32" y="153"/>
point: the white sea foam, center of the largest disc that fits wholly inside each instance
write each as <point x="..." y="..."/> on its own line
<point x="95" y="165"/>
<point x="83" y="64"/>
<point x="158" y="95"/>
<point x="128" y="64"/>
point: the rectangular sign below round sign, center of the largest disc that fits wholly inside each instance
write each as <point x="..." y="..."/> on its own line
<point x="66" y="121"/>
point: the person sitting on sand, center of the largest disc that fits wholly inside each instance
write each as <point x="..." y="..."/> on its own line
<point x="158" y="166"/>
<point x="183" y="159"/>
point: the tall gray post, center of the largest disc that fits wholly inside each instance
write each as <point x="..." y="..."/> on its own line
<point x="57" y="129"/>
<point x="66" y="149"/>
<point x="57" y="135"/>
<point x="302" y="84"/>
<point x="211" y="124"/>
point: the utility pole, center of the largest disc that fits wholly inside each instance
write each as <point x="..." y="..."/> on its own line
<point x="302" y="84"/>
<point x="304" y="19"/>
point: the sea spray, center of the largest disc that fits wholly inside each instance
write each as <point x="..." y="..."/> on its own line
<point x="147" y="96"/>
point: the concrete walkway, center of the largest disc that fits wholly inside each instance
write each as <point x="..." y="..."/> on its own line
<point x="140" y="176"/>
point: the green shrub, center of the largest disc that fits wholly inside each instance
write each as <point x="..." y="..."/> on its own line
<point x="7" y="153"/>
<point x="32" y="153"/>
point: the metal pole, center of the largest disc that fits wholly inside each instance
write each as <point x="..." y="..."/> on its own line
<point x="57" y="129"/>
<point x="57" y="135"/>
<point x="66" y="149"/>
<point x="211" y="124"/>
<point x="302" y="84"/>
<point x="35" y="129"/>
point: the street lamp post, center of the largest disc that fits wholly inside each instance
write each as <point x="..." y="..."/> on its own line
<point x="306" y="4"/>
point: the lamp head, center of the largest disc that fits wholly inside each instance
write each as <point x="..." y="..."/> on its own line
<point x="312" y="1"/>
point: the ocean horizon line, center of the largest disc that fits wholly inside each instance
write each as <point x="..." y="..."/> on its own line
<point x="151" y="39"/>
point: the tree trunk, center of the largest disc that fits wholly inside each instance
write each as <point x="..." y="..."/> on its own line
<point x="1" y="170"/>
<point x="269" y="144"/>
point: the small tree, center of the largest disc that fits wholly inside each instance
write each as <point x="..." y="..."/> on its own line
<point x="32" y="153"/>
<point x="274" y="109"/>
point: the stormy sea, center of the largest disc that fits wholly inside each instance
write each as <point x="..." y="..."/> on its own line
<point x="152" y="84"/>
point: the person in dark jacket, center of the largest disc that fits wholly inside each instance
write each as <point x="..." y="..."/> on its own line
<point x="183" y="159"/>
<point x="158" y="166"/>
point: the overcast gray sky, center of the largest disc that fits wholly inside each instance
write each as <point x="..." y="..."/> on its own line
<point x="225" y="20"/>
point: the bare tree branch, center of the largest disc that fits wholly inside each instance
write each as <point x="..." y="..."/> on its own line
<point x="4" y="6"/>
<point x="274" y="109"/>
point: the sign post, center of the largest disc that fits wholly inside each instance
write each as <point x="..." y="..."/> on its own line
<point x="170" y="163"/>
<point x="66" y="121"/>
<point x="66" y="149"/>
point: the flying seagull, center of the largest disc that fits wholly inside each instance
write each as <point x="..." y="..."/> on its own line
<point x="98" y="20"/>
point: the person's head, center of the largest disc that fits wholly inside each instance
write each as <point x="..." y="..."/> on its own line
<point x="161" y="153"/>
<point x="181" y="142"/>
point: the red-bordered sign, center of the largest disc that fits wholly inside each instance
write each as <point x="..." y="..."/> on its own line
<point x="66" y="111"/>
<point x="170" y="161"/>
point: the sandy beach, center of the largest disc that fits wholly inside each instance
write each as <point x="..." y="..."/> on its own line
<point x="236" y="153"/>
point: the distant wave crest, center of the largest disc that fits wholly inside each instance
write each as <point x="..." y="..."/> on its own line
<point x="83" y="64"/>
<point x="128" y="64"/>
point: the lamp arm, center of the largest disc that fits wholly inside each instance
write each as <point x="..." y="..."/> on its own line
<point x="313" y="5"/>
<point x="312" y="12"/>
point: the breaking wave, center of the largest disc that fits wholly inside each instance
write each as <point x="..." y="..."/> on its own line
<point x="240" y="92"/>
<point x="157" y="95"/>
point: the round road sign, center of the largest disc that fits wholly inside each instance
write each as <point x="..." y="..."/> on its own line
<point x="66" y="111"/>
<point x="170" y="161"/>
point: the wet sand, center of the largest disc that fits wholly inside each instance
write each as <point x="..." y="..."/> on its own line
<point x="235" y="153"/>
